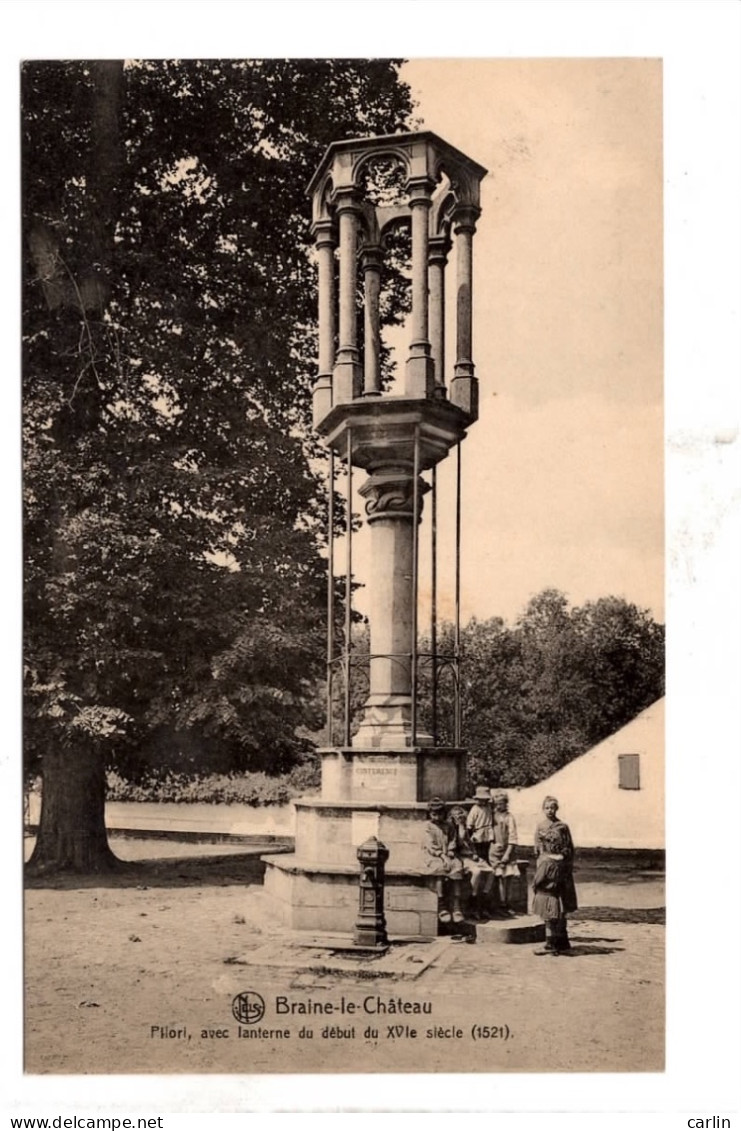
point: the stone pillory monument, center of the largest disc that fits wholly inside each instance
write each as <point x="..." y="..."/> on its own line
<point x="378" y="772"/>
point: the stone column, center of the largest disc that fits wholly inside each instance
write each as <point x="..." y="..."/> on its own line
<point x="420" y="378"/>
<point x="438" y="257"/>
<point x="325" y="244"/>
<point x="347" y="378"/>
<point x="372" y="289"/>
<point x="389" y="494"/>
<point x="463" y="391"/>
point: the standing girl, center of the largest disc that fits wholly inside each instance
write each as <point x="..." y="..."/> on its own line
<point x="553" y="883"/>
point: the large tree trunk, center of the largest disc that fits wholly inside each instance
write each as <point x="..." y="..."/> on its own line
<point x="105" y="170"/>
<point x="88" y="289"/>
<point x="72" y="834"/>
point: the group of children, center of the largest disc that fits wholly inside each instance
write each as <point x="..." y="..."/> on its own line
<point x="476" y="845"/>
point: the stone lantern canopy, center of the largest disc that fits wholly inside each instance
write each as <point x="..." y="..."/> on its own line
<point x="375" y="781"/>
<point x="441" y="198"/>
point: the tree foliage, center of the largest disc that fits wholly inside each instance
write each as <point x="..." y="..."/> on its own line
<point x="174" y="585"/>
<point x="537" y="694"/>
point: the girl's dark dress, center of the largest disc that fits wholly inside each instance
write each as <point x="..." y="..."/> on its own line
<point x="553" y="883"/>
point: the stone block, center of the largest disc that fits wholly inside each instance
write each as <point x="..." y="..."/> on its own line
<point x="384" y="777"/>
<point x="408" y="857"/>
<point x="464" y="394"/>
<point x="277" y="883"/>
<point x="403" y="835"/>
<point x="324" y="835"/>
<point x="325" y="919"/>
<point x="442" y="775"/>
<point x="333" y="775"/>
<point x="321" y="399"/>
<point x="419" y="377"/>
<point x="526" y="930"/>
<point x="410" y="899"/>
<point x="305" y="899"/>
<point x="330" y="834"/>
<point x="519" y="891"/>
<point x="323" y="890"/>
<point x="347" y="382"/>
<point x="363" y="825"/>
<point x="428" y="925"/>
<point x="403" y="923"/>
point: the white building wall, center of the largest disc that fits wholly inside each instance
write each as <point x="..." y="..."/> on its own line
<point x="599" y="813"/>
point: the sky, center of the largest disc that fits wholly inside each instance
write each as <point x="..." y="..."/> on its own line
<point x="563" y="472"/>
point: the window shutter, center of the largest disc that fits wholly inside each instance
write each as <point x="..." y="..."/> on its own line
<point x="629" y="770"/>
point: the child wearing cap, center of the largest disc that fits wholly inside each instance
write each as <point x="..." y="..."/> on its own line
<point x="479" y="872"/>
<point x="480" y="822"/>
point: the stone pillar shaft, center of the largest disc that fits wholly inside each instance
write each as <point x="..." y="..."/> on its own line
<point x="464" y="227"/>
<point x="419" y="368"/>
<point x="372" y="359"/>
<point x="438" y="260"/>
<point x="347" y="377"/>
<point x="391" y="599"/>
<point x="322" y="393"/>
<point x="348" y="255"/>
<point x="325" y="254"/>
<point x="419" y="208"/>
<point x="464" y="286"/>
<point x="389" y="495"/>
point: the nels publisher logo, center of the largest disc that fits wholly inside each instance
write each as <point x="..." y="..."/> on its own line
<point x="248" y="1008"/>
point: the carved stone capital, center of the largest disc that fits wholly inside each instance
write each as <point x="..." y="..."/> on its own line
<point x="324" y="233"/>
<point x="465" y="217"/>
<point x="372" y="258"/>
<point x="390" y="494"/>
<point x="438" y="250"/>
<point x="348" y="200"/>
<point x="419" y="190"/>
<point x="391" y="499"/>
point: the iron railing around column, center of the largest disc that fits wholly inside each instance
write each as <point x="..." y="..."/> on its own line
<point x="347" y="661"/>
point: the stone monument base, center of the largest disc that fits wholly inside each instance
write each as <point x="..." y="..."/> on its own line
<point x="316" y="887"/>
<point x="324" y="897"/>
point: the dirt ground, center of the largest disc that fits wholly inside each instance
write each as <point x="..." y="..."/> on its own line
<point x="138" y="972"/>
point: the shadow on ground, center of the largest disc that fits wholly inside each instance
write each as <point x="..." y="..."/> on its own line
<point x="165" y="872"/>
<point x="603" y="874"/>
<point x="583" y="951"/>
<point x="591" y="939"/>
<point x="620" y="915"/>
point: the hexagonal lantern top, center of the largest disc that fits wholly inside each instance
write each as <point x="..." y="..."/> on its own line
<point x="361" y="190"/>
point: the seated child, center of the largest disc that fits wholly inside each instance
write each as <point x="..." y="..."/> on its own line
<point x="480" y="873"/>
<point x="442" y="859"/>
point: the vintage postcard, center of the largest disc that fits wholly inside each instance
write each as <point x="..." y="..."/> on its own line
<point x="419" y="905"/>
<point x="308" y="801"/>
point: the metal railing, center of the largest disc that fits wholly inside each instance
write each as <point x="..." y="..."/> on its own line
<point x="346" y="661"/>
